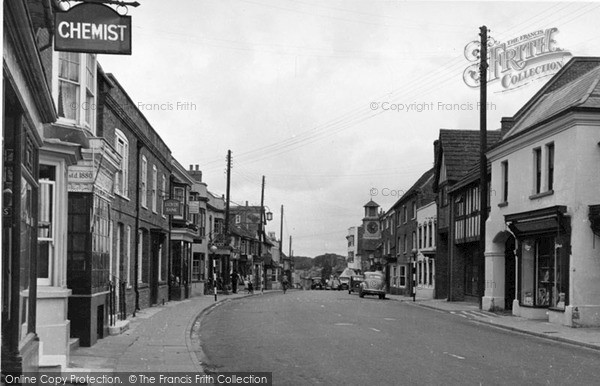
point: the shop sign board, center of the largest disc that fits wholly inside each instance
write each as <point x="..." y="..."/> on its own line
<point x="92" y="28"/>
<point x="172" y="207"/>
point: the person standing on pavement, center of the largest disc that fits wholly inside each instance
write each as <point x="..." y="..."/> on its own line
<point x="234" y="281"/>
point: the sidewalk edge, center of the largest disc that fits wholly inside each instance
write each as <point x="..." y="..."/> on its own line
<point x="515" y="329"/>
<point x="196" y="354"/>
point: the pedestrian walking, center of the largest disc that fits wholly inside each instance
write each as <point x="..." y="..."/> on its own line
<point x="284" y="283"/>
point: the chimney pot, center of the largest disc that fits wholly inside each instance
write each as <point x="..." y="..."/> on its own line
<point x="197" y="167"/>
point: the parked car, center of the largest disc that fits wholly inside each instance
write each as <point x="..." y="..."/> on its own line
<point x="344" y="283"/>
<point x="354" y="284"/>
<point x="373" y="284"/>
<point x="317" y="283"/>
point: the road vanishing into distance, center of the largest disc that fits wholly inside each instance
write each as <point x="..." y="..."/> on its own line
<point x="336" y="338"/>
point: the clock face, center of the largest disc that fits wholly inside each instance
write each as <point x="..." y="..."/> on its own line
<point x="372" y="227"/>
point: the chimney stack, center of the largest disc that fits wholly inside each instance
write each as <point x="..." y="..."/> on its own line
<point x="506" y="123"/>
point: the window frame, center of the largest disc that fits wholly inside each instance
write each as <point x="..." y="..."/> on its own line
<point x="123" y="174"/>
<point x="505" y="176"/>
<point x="537" y="170"/>
<point x="550" y="155"/>
<point x="144" y="182"/>
<point x="85" y="108"/>
<point x="51" y="240"/>
<point x="153" y="188"/>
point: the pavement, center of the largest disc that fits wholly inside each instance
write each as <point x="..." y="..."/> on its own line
<point x="585" y="337"/>
<point x="165" y="338"/>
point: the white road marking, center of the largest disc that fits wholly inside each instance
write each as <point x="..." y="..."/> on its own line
<point x="374" y="329"/>
<point x="389" y="319"/>
<point x="455" y="356"/>
<point x="343" y="324"/>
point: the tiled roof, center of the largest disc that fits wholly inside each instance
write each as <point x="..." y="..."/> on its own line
<point x="423" y="183"/>
<point x="582" y="92"/>
<point x="236" y="230"/>
<point x="461" y="150"/>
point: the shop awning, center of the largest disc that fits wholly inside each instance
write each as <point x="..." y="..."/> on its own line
<point x="547" y="220"/>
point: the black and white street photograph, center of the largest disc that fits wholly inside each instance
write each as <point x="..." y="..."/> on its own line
<point x="300" y="192"/>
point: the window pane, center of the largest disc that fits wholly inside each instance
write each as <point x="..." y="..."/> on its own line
<point x="68" y="100"/>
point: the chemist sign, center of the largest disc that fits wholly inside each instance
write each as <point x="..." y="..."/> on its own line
<point x="92" y="28"/>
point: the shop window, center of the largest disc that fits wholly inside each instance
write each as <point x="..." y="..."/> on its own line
<point x="544" y="273"/>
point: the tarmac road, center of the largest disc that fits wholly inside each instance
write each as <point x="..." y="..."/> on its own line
<point x="331" y="337"/>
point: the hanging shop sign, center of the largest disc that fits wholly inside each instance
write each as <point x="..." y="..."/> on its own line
<point x="92" y="28"/>
<point x="172" y="207"/>
<point x="194" y="207"/>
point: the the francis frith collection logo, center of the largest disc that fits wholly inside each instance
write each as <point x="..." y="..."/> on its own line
<point x="517" y="62"/>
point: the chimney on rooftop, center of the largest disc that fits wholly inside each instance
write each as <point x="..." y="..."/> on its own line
<point x="195" y="174"/>
<point x="506" y="123"/>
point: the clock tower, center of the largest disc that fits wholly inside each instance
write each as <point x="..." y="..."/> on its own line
<point x="371" y="221"/>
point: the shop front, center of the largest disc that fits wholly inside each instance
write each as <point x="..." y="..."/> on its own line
<point x="543" y="253"/>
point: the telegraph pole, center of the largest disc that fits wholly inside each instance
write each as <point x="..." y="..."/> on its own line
<point x="483" y="180"/>
<point x="226" y="230"/>
<point x="260" y="233"/>
<point x="281" y="239"/>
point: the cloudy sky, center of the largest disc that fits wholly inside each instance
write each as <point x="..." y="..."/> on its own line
<point x="317" y="96"/>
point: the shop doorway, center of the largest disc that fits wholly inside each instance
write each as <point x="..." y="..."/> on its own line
<point x="509" y="273"/>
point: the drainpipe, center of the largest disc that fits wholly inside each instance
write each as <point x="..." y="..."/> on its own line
<point x="516" y="260"/>
<point x="136" y="278"/>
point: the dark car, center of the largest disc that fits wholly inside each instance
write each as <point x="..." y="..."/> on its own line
<point x="344" y="283"/>
<point x="373" y="284"/>
<point x="317" y="283"/>
<point x="354" y="284"/>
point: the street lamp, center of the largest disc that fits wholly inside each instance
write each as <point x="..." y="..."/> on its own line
<point x="213" y="250"/>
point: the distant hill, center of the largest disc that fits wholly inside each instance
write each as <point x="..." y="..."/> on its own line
<point x="322" y="265"/>
<point x="303" y="262"/>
